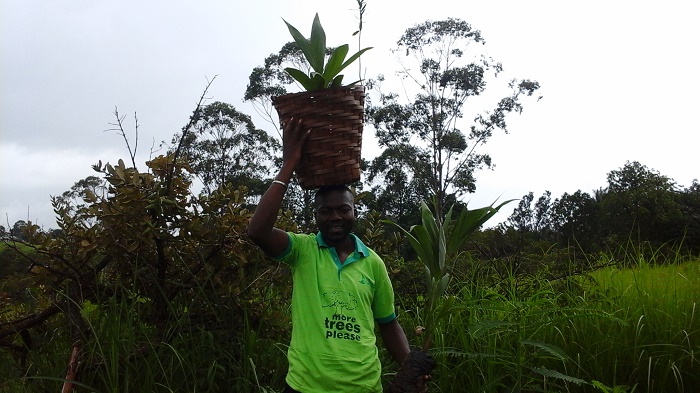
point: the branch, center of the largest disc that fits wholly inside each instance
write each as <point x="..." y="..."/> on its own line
<point x="185" y="131"/>
<point x="28" y="322"/>
<point x="120" y="130"/>
<point x="33" y="262"/>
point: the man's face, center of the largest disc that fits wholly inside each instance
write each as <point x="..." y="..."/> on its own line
<point x="335" y="216"/>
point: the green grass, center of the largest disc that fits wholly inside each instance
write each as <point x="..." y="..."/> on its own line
<point x="633" y="329"/>
<point x="124" y="354"/>
<point x="625" y="330"/>
<point x="658" y="347"/>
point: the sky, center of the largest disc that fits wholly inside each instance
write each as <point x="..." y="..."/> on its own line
<point x="619" y="82"/>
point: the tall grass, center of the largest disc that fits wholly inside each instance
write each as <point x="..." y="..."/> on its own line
<point x="658" y="347"/>
<point x="124" y="354"/>
<point x="616" y="330"/>
<point x="635" y="329"/>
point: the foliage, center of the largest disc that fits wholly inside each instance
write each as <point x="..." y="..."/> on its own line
<point x="325" y="74"/>
<point x="425" y="139"/>
<point x="142" y="239"/>
<point x="437" y="244"/>
<point x="640" y="212"/>
<point x="225" y="147"/>
<point x="158" y="290"/>
<point x="631" y="329"/>
<point x="271" y="80"/>
<point x="641" y="202"/>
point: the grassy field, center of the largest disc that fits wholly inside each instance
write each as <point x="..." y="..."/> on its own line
<point x="617" y="330"/>
<point x="614" y="331"/>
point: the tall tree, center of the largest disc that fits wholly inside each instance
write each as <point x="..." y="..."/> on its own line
<point x="225" y="147"/>
<point x="574" y="217"/>
<point x="533" y="218"/>
<point x="17" y="229"/>
<point x="271" y="80"/>
<point x="426" y="136"/>
<point x="690" y="204"/>
<point x="642" y="204"/>
<point x="144" y="235"/>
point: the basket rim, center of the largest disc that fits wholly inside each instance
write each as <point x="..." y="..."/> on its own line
<point x="329" y="90"/>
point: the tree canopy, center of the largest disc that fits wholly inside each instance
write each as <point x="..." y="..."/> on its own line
<point x="224" y="146"/>
<point x="425" y="136"/>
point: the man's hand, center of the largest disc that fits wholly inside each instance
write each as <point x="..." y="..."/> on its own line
<point x="423" y="383"/>
<point x="294" y="136"/>
<point x="414" y="373"/>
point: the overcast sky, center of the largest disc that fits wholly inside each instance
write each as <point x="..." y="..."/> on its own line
<point x="619" y="79"/>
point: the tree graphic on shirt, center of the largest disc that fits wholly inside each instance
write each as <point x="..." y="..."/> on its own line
<point x="340" y="300"/>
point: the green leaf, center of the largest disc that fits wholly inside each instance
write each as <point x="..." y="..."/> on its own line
<point x="550" y="348"/>
<point x="300" y="77"/>
<point x="429" y="221"/>
<point x="301" y="41"/>
<point x="335" y="62"/>
<point x="437" y="237"/>
<point x="468" y="222"/>
<point x="482" y="327"/>
<point x="338" y="81"/>
<point x="318" y="45"/>
<point x="353" y="58"/>
<point x="415" y="244"/>
<point x="318" y="81"/>
<point x="448" y="217"/>
<point x="314" y="50"/>
<point x="444" y="281"/>
<point x="557" y="375"/>
<point x="426" y="249"/>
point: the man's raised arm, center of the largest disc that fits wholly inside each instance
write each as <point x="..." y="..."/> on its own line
<point x="261" y="227"/>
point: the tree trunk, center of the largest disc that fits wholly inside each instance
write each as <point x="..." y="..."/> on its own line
<point x="73" y="364"/>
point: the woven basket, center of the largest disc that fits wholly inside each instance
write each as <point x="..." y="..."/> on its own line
<point x="331" y="155"/>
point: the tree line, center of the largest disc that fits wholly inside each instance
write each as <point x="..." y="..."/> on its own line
<point x="638" y="205"/>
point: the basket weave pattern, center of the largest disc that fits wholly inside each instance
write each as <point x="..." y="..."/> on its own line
<point x="331" y="155"/>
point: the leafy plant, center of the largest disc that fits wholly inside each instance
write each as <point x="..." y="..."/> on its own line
<point x="323" y="74"/>
<point x="437" y="243"/>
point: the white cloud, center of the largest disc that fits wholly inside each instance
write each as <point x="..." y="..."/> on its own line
<point x="31" y="176"/>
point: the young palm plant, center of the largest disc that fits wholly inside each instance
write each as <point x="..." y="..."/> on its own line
<point x="438" y="244"/>
<point x="324" y="74"/>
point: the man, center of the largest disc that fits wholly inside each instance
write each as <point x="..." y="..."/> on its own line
<point x="340" y="288"/>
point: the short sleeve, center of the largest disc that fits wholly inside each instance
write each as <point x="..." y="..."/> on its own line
<point x="383" y="304"/>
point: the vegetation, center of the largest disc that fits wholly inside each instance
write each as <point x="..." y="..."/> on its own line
<point x="147" y="286"/>
<point x="632" y="327"/>
<point x="324" y="74"/>
<point x="438" y="243"/>
<point x="428" y="144"/>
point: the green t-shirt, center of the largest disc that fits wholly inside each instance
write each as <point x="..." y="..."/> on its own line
<point x="334" y="307"/>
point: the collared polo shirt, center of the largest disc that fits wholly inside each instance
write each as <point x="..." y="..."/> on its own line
<point x="334" y="309"/>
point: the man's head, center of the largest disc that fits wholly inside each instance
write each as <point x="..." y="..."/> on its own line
<point x="335" y="213"/>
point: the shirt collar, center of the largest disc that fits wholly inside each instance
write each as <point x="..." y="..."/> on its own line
<point x="360" y="247"/>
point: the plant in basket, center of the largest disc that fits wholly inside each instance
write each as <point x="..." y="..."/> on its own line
<point x="334" y="113"/>
<point x="324" y="74"/>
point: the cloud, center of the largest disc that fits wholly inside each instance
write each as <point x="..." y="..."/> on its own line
<point x="31" y="176"/>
